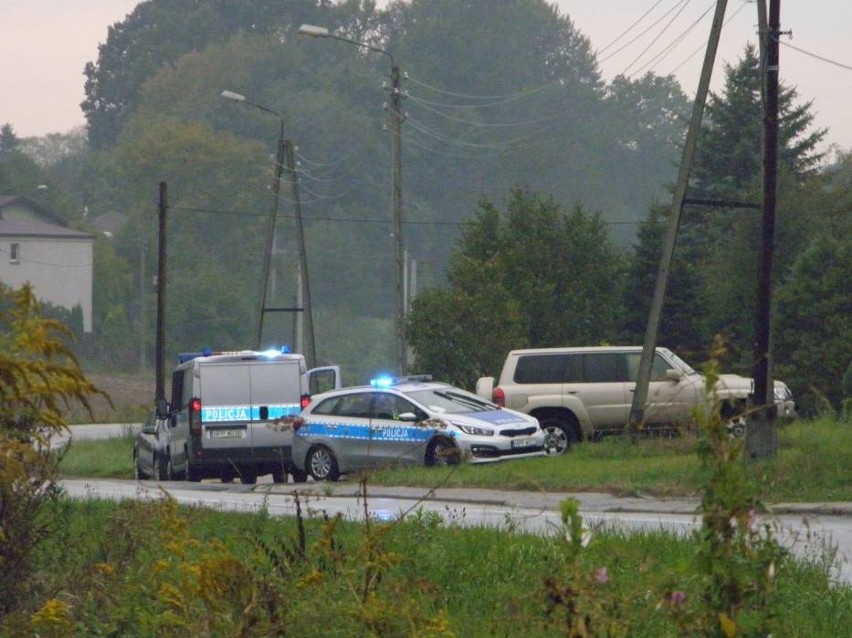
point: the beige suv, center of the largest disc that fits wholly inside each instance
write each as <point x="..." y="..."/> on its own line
<point x="583" y="393"/>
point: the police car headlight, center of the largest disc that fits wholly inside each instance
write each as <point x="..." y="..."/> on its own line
<point x="473" y="430"/>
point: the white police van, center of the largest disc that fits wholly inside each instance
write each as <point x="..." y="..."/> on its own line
<point x="226" y="411"/>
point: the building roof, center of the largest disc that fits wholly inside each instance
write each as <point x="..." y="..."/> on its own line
<point x="38" y="222"/>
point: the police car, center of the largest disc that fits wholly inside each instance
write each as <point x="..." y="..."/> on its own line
<point x="412" y="420"/>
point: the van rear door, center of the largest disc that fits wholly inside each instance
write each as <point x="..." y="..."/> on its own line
<point x="276" y="392"/>
<point x="226" y="408"/>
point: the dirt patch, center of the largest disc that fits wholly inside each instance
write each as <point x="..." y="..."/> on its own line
<point x="132" y="398"/>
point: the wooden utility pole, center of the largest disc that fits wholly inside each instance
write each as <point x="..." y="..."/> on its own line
<point x="396" y="117"/>
<point x="160" y="392"/>
<point x="761" y="435"/>
<point x="640" y="394"/>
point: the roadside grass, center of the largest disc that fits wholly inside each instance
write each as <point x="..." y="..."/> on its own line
<point x="812" y="464"/>
<point x="99" y="458"/>
<point x="156" y="569"/>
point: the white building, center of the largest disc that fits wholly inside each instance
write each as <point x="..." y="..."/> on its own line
<point x="37" y="247"/>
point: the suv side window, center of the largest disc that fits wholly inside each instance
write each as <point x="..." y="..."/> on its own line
<point x="658" y="367"/>
<point x="549" y="368"/>
<point x="604" y="367"/>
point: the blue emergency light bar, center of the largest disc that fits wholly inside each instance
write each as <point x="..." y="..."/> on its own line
<point x="386" y="381"/>
<point x="183" y="357"/>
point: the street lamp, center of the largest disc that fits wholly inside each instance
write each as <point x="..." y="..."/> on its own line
<point x="396" y="117"/>
<point x="285" y="153"/>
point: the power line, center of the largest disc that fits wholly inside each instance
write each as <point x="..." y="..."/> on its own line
<point x="817" y="57"/>
<point x="630" y="28"/>
<point x="658" y="36"/>
<point x="653" y="24"/>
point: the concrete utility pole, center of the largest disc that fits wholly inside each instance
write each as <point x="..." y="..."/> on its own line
<point x="761" y="435"/>
<point x="309" y="349"/>
<point x="270" y="235"/>
<point x="160" y="392"/>
<point x="396" y="118"/>
<point x="640" y="394"/>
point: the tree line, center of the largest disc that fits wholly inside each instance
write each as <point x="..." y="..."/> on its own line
<point x="535" y="192"/>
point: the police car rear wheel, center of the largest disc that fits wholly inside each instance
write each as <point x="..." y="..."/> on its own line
<point x="322" y="465"/>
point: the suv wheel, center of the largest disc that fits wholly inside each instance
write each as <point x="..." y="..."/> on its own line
<point x="560" y="434"/>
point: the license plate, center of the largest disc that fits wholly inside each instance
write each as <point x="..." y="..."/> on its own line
<point x="518" y="443"/>
<point x="225" y="434"/>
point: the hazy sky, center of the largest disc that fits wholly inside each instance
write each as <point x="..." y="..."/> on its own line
<point x="44" y="45"/>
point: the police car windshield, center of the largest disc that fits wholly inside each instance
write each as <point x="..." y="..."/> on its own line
<point x="453" y="401"/>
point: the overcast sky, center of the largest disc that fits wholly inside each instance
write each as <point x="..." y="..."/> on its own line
<point x="44" y="45"/>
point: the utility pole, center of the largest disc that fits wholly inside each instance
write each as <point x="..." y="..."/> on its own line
<point x="761" y="435"/>
<point x="270" y="237"/>
<point x="310" y="351"/>
<point x="143" y="315"/>
<point x="640" y="394"/>
<point x="396" y="117"/>
<point x="160" y="392"/>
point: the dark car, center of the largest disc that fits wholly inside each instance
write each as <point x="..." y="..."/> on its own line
<point x="149" y="450"/>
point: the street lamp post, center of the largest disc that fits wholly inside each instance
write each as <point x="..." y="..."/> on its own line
<point x="396" y="117"/>
<point x="285" y="152"/>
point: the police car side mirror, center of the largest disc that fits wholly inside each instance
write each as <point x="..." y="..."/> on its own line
<point x="408" y="416"/>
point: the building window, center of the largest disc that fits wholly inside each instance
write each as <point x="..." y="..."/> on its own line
<point x="15" y="253"/>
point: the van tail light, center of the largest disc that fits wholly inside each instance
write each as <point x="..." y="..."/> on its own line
<point x="298" y="422"/>
<point x="498" y="396"/>
<point x="305" y="401"/>
<point x="195" y="414"/>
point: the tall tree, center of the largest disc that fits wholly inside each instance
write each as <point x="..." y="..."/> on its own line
<point x="728" y="159"/>
<point x="813" y="337"/>
<point x="9" y="141"/>
<point x="156" y="35"/>
<point x="533" y="275"/>
<point x="724" y="242"/>
<point x="682" y="324"/>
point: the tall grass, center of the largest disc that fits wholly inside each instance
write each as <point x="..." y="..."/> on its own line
<point x="152" y="569"/>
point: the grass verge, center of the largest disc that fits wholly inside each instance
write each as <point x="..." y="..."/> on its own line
<point x="812" y="465"/>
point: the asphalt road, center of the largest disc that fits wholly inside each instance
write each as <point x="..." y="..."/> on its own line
<point x="807" y="529"/>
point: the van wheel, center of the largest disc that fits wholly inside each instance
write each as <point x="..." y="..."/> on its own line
<point x="138" y="474"/>
<point x="157" y="467"/>
<point x="298" y="475"/>
<point x="170" y="470"/>
<point x="560" y="434"/>
<point x="322" y="465"/>
<point x="191" y="473"/>
<point x="279" y="475"/>
<point x="248" y="477"/>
